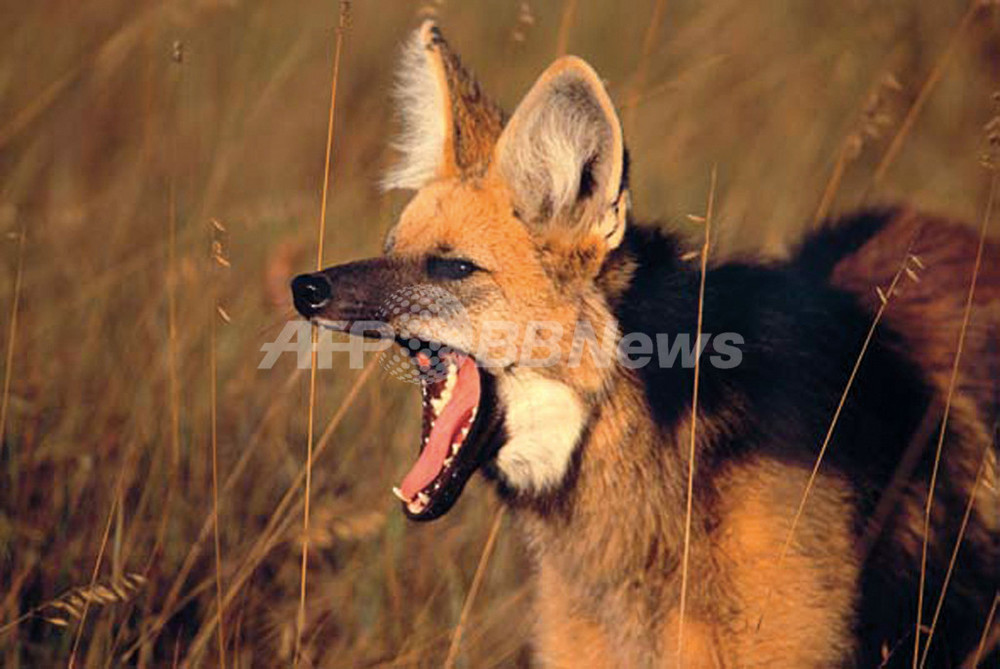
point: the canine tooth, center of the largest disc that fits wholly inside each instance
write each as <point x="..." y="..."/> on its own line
<point x="423" y="498"/>
<point x="399" y="493"/>
<point x="450" y="381"/>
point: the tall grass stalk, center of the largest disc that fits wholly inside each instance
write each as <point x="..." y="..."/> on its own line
<point x="95" y="572"/>
<point x="966" y="317"/>
<point x="12" y="336"/>
<point x="924" y="94"/>
<point x="477" y="579"/>
<point x="173" y="358"/>
<point x="218" y="259"/>
<point x="565" y="26"/>
<point x="301" y="619"/>
<point x="984" y="638"/>
<point x="172" y="362"/>
<point x="694" y="415"/>
<point x="958" y="544"/>
<point x="853" y="143"/>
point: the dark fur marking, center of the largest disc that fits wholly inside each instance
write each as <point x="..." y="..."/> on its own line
<point x="802" y="338"/>
<point x="839" y="238"/>
<point x="587" y="181"/>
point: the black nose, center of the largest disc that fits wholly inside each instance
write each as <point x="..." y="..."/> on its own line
<point x="310" y="292"/>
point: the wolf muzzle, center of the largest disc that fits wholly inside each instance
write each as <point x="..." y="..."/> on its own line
<point x="354" y="291"/>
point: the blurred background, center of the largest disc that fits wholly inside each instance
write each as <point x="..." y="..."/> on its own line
<point x="127" y="127"/>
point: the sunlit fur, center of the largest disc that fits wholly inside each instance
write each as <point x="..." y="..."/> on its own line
<point x="544" y="419"/>
<point x="564" y="138"/>
<point x="448" y="127"/>
<point x="420" y="98"/>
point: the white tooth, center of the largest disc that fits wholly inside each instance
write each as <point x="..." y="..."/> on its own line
<point x="448" y="461"/>
<point x="399" y="493"/>
<point x="455" y="447"/>
<point x="415" y="506"/>
<point x="423" y="498"/>
<point x="465" y="431"/>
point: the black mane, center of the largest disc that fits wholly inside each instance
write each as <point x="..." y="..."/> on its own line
<point x="801" y="337"/>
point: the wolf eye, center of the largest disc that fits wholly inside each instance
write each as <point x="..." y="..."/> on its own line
<point x="450" y="269"/>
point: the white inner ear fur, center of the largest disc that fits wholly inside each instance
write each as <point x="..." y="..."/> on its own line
<point x="544" y="420"/>
<point x="420" y="96"/>
<point x="564" y="126"/>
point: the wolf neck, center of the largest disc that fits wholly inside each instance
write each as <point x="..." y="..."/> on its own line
<point x="615" y="517"/>
<point x="620" y="509"/>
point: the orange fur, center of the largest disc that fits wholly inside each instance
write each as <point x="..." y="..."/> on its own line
<point x="531" y="277"/>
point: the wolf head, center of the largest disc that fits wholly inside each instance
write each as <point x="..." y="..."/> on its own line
<point x="513" y="225"/>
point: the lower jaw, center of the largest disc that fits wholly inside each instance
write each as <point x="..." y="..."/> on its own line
<point x="476" y="453"/>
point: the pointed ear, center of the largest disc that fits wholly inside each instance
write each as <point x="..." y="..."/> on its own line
<point x="449" y="127"/>
<point x="562" y="154"/>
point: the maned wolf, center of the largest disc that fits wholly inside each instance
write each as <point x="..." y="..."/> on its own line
<point x="527" y="221"/>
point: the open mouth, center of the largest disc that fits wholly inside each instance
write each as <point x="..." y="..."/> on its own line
<point x="460" y="427"/>
<point x="455" y="438"/>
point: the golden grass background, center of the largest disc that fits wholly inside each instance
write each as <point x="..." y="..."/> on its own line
<point x="117" y="117"/>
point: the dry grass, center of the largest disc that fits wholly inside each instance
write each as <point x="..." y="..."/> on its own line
<point x="956" y="367"/>
<point x="689" y="497"/>
<point x="114" y="157"/>
<point x="12" y="334"/>
<point x="321" y="238"/>
<point x="963" y="526"/>
<point x="218" y="258"/>
<point x="477" y="580"/>
<point x="988" y="627"/>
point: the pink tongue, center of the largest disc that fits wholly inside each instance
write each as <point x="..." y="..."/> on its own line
<point x="464" y="398"/>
